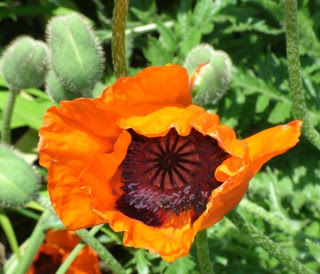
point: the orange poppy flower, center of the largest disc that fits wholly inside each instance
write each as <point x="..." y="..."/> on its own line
<point x="145" y="160"/>
<point x="56" y="248"/>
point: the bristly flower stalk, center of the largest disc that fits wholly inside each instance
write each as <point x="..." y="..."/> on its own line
<point x="118" y="37"/>
<point x="265" y="242"/>
<point x="298" y="94"/>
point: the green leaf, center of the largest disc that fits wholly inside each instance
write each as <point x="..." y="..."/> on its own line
<point x="142" y="261"/>
<point x="262" y="103"/>
<point x="156" y="54"/>
<point x="181" y="266"/>
<point x="27" y="145"/>
<point x="280" y="113"/>
<point x="202" y="16"/>
<point x="314" y="249"/>
<point x="18" y="180"/>
<point x="191" y="39"/>
<point x="167" y="37"/>
<point x="259" y="26"/>
<point x="27" y="111"/>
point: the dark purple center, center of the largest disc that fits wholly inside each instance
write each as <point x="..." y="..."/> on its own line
<point x="47" y="263"/>
<point x="170" y="174"/>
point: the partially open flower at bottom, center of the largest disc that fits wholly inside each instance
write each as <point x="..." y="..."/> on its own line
<point x="145" y="160"/>
<point x="56" y="248"/>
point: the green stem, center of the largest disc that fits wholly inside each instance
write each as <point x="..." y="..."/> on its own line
<point x="74" y="253"/>
<point x="298" y="94"/>
<point x="271" y="247"/>
<point x="118" y="37"/>
<point x="103" y="253"/>
<point x="203" y="252"/>
<point x="34" y="243"/>
<point x="6" y="118"/>
<point x="9" y="231"/>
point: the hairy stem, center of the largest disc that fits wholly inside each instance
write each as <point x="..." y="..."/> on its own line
<point x="203" y="253"/>
<point x="118" y="37"/>
<point x="298" y="94"/>
<point x="265" y="242"/>
<point x="7" y="114"/>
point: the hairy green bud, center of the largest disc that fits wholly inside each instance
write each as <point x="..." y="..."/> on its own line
<point x="98" y="89"/>
<point x="76" y="55"/>
<point x="24" y="63"/>
<point x="18" y="180"/>
<point x="57" y="91"/>
<point x="209" y="72"/>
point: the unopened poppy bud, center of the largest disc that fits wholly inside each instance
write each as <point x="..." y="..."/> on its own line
<point x="196" y="76"/>
<point x="210" y="73"/>
<point x="18" y="180"/>
<point x="76" y="54"/>
<point x="57" y="91"/>
<point x="98" y="89"/>
<point x="24" y="63"/>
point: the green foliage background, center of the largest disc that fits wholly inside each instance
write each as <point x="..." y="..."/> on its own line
<point x="283" y="198"/>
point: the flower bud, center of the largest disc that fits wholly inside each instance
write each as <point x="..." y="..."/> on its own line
<point x="210" y="73"/>
<point x="57" y="91"/>
<point x="24" y="63"/>
<point x="18" y="180"/>
<point x="98" y="89"/>
<point x="76" y="55"/>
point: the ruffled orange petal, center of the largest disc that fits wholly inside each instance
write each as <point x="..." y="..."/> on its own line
<point x="271" y="142"/>
<point x="161" y="121"/>
<point x="67" y="144"/>
<point x="149" y="90"/>
<point x="98" y="178"/>
<point x="262" y="147"/>
<point x="86" y="262"/>
<point x="64" y="239"/>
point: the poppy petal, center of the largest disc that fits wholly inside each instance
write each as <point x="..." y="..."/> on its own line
<point x="67" y="144"/>
<point x="150" y="89"/>
<point x="271" y="142"/>
<point x="262" y="147"/>
<point x="99" y="178"/>
<point x="159" y="122"/>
